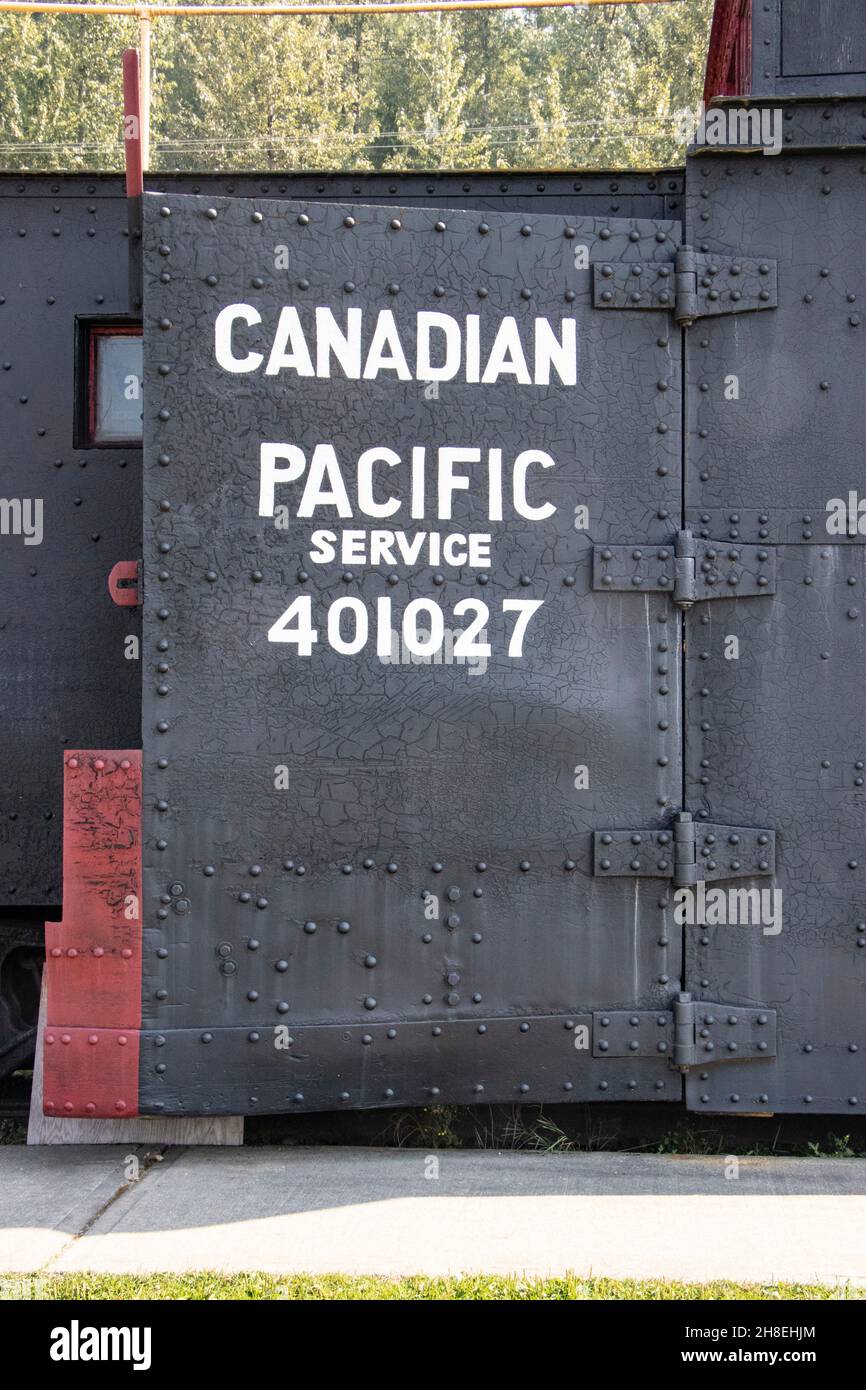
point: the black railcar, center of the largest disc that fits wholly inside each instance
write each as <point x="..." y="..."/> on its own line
<point x="445" y="684"/>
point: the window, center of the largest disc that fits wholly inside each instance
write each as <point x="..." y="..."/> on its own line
<point x="110" y="367"/>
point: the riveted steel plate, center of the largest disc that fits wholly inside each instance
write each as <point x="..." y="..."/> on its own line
<point x="726" y="1034"/>
<point x="68" y="680"/>
<point x="634" y="568"/>
<point x="632" y="285"/>
<point x="67" y="515"/>
<point x="792" y="126"/>
<point x="734" y="286"/>
<point x="741" y="569"/>
<point x="718" y="568"/>
<point x="643" y="854"/>
<point x="734" y="851"/>
<point x="718" y="851"/>
<point x="350" y="835"/>
<point x="625" y="1033"/>
<point x="774" y="685"/>
<point x="335" y="1067"/>
<point x="808" y="47"/>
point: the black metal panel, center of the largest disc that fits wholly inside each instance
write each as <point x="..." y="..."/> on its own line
<point x="808" y="47"/>
<point x="355" y="1067"/>
<point x="775" y="724"/>
<point x="59" y="185"/>
<point x="430" y="861"/>
<point x="64" y="679"/>
<point x="796" y="123"/>
<point x="823" y="38"/>
<point x="592" y="194"/>
<point x="21" y="958"/>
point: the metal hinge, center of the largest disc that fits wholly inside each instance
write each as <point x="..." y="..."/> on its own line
<point x="691" y="571"/>
<point x="693" y="1032"/>
<point x="690" y="852"/>
<point x="693" y="286"/>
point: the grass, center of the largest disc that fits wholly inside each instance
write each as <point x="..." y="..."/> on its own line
<point x="685" y="1140"/>
<point x="437" y="1127"/>
<point x="529" y="1128"/>
<point x="340" y="1287"/>
<point x="838" y="1146"/>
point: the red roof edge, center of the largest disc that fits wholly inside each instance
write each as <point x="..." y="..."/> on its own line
<point x="729" y="61"/>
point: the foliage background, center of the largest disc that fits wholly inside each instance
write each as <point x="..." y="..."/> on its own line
<point x="585" y="87"/>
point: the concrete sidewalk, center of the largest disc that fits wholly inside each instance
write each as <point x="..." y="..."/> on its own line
<point x="376" y="1211"/>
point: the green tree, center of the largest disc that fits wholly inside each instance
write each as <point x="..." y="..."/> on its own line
<point x="433" y="126"/>
<point x="61" y="98"/>
<point x="588" y="87"/>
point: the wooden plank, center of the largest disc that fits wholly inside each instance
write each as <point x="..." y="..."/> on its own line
<point x="145" y="1129"/>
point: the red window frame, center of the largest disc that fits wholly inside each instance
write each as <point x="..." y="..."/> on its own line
<point x="95" y="331"/>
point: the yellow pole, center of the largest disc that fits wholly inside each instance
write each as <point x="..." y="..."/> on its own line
<point x="235" y="11"/>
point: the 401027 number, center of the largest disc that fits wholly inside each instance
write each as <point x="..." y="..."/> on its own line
<point x="348" y="626"/>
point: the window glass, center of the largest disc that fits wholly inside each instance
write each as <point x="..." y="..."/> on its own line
<point x="115" y="381"/>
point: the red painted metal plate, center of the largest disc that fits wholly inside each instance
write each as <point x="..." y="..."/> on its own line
<point x="93" y="956"/>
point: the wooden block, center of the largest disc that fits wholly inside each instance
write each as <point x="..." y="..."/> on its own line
<point x="156" y="1130"/>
